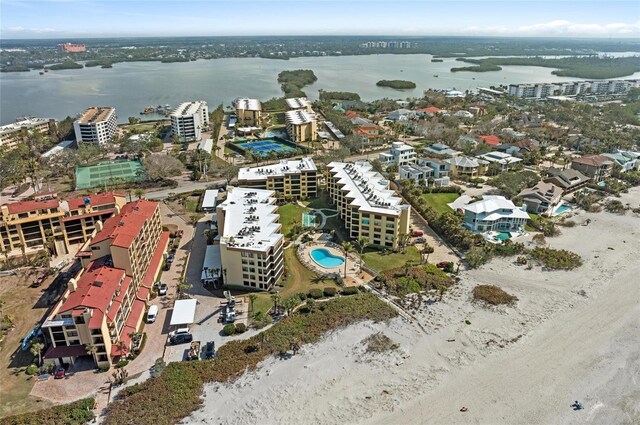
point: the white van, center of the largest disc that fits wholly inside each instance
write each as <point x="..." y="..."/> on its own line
<point x="152" y="314"/>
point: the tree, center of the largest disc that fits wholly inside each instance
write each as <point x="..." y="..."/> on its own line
<point x="36" y="350"/>
<point x="139" y="193"/>
<point x="91" y="349"/>
<point x="427" y="250"/>
<point x="295" y="345"/>
<point x="158" y="166"/>
<point x="362" y="243"/>
<point x="347" y="247"/>
<point x="229" y="172"/>
<point x="120" y="376"/>
<point x="252" y="301"/>
<point x="276" y="301"/>
<point x="290" y="303"/>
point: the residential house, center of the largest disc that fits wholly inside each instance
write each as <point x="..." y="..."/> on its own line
<point x="400" y="154"/>
<point x="543" y="198"/>
<point x="596" y="167"/>
<point x="626" y="160"/>
<point x="467" y="167"/>
<point x="401" y="115"/>
<point x="441" y="170"/>
<point x="504" y="161"/>
<point x="569" y="180"/>
<point x="494" y="213"/>
<point x="492" y="141"/>
<point x="441" y="149"/>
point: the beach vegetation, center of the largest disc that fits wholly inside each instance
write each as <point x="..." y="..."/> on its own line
<point x="493" y="295"/>
<point x="379" y="343"/>
<point x="229" y="329"/>
<point x="408" y="280"/>
<point x="74" y="413"/>
<point x="556" y="259"/>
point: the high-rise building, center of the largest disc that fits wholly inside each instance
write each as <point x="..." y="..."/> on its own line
<point x="188" y="120"/>
<point x="12" y="134"/>
<point x="97" y="125"/>
<point x="248" y="111"/>
<point x="296" y="179"/>
<point x="302" y="126"/>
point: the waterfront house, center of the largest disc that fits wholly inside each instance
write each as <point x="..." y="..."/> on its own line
<point x="543" y="198"/>
<point x="596" y="167"/>
<point x="569" y="180"/>
<point x="494" y="213"/>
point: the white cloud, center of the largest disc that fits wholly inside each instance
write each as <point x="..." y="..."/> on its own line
<point x="561" y="27"/>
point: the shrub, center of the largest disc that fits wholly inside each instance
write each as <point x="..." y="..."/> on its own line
<point x="316" y="293"/>
<point x="468" y="322"/>
<point x="448" y="268"/>
<point x="378" y="343"/>
<point x="75" y="413"/>
<point x="567" y="223"/>
<point x="241" y="328"/>
<point x="493" y="295"/>
<point x="350" y="290"/>
<point x="103" y="368"/>
<point x="477" y="257"/>
<point x="229" y="329"/>
<point x="122" y="363"/>
<point x="539" y="239"/>
<point x="557" y="259"/>
<point x="615" y="206"/>
<point x="403" y="281"/>
<point x="329" y="292"/>
<point x="31" y="370"/>
<point x="302" y="296"/>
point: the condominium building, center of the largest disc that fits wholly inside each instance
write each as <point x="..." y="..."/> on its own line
<point x="103" y="306"/>
<point x="571" y="88"/>
<point x="366" y="204"/>
<point x="248" y="111"/>
<point x="97" y="125"/>
<point x="494" y="213"/>
<point x="188" y="120"/>
<point x="296" y="179"/>
<point x="400" y="154"/>
<point x="72" y="48"/>
<point x="299" y="103"/>
<point x="47" y="221"/>
<point x="13" y="134"/>
<point x="596" y="167"/>
<point x="251" y="245"/>
<point x="302" y="126"/>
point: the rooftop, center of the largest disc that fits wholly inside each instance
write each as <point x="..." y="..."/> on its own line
<point x="123" y="228"/>
<point x="442" y="149"/>
<point x="250" y="219"/>
<point x="188" y="109"/>
<point x="96" y="114"/>
<point x="593" y="160"/>
<point x="285" y="166"/>
<point x="247" y="104"/>
<point x="465" y="161"/>
<point x="496" y="204"/>
<point x="29" y="122"/>
<point x="94" y="200"/>
<point x="298" y="102"/>
<point x="26" y="206"/>
<point x="366" y="188"/>
<point x="490" y="140"/>
<point x="299" y="117"/>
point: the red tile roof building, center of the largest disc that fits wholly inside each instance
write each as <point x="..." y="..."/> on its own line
<point x="490" y="140"/>
<point x="104" y="305"/>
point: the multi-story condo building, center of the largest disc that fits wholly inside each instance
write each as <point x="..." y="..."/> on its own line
<point x="296" y="179"/>
<point x="12" y="134"/>
<point x="366" y="204"/>
<point x="302" y="126"/>
<point x="104" y="304"/>
<point x="97" y="125"/>
<point x="251" y="245"/>
<point x="571" y="88"/>
<point x="248" y="111"/>
<point x="188" y="120"/>
<point x="400" y="154"/>
<point x="596" y="167"/>
<point x="467" y="167"/>
<point x="59" y="225"/>
<point x="72" y="48"/>
<point x="494" y="213"/>
<point x="299" y="103"/>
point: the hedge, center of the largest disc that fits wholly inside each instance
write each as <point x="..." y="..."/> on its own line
<point x="75" y="413"/>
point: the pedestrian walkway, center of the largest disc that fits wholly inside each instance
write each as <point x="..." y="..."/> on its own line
<point x="321" y="213"/>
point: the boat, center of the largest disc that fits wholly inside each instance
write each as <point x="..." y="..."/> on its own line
<point x="435" y="75"/>
<point x="41" y="73"/>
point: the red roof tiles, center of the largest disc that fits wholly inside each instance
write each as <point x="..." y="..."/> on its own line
<point x="96" y="199"/>
<point x="490" y="140"/>
<point x="26" y="206"/>
<point x="123" y="228"/>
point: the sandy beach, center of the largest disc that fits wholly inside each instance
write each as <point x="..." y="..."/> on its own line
<point x="572" y="335"/>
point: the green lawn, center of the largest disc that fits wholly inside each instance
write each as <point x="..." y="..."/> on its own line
<point x="439" y="201"/>
<point x="289" y="214"/>
<point x="299" y="280"/>
<point x="321" y="202"/>
<point x="381" y="262"/>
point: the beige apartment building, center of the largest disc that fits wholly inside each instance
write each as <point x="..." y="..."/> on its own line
<point x="248" y="112"/>
<point x="104" y="304"/>
<point x="13" y="134"/>
<point x="97" y="125"/>
<point x="296" y="179"/>
<point x="366" y="204"/>
<point x="251" y="245"/>
<point x="299" y="103"/>
<point x="47" y="220"/>
<point x="302" y="126"/>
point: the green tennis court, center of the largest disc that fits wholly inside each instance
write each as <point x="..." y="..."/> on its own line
<point x="108" y="173"/>
<point x="308" y="219"/>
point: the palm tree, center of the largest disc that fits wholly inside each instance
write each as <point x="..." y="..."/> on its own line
<point x="427" y="249"/>
<point x="362" y="243"/>
<point x="276" y="300"/>
<point x="91" y="349"/>
<point x="347" y="247"/>
<point x="139" y="193"/>
<point x="252" y="300"/>
<point x="23" y="249"/>
<point x="36" y="350"/>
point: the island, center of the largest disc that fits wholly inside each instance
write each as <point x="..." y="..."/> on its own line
<point x="437" y="60"/>
<point x="397" y="84"/>
<point x="292" y="82"/>
<point x="65" y="65"/>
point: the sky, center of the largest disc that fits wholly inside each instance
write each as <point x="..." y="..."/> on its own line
<point x="106" y="18"/>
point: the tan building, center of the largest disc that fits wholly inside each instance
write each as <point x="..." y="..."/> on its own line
<point x="47" y="220"/>
<point x="251" y="245"/>
<point x="302" y="126"/>
<point x="97" y="125"/>
<point x="366" y="204"/>
<point x="596" y="167"/>
<point x="297" y="179"/>
<point x="299" y="104"/>
<point x="104" y="304"/>
<point x="12" y="134"/>
<point x="248" y="112"/>
<point x="467" y="167"/>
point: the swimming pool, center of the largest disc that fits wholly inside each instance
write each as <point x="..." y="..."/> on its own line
<point x="503" y="236"/>
<point x="562" y="209"/>
<point x="326" y="259"/>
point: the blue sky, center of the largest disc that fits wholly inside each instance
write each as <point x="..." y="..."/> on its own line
<point x="98" y="18"/>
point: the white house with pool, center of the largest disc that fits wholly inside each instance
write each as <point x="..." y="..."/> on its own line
<point x="494" y="213"/>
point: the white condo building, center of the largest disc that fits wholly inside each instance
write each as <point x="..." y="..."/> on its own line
<point x="251" y="244"/>
<point x="188" y="120"/>
<point x="97" y="125"/>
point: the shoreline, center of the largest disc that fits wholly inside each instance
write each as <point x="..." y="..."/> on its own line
<point x="573" y="335"/>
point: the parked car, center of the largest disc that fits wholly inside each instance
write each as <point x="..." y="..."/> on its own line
<point x="421" y="240"/>
<point x="180" y="339"/>
<point x="162" y="288"/>
<point x="59" y="373"/>
<point x="167" y="266"/>
<point x="442" y="264"/>
<point x="417" y="233"/>
<point x="170" y="258"/>
<point x="152" y="314"/>
<point x="210" y="350"/>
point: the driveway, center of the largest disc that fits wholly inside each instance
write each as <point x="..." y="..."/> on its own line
<point x="441" y="252"/>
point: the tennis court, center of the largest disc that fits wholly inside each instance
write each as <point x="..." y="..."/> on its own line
<point x="308" y="219"/>
<point x="108" y="173"/>
<point x="263" y="146"/>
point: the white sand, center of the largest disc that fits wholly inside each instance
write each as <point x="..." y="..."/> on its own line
<point x="518" y="365"/>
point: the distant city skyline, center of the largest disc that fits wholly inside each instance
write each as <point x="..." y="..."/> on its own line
<point x="102" y="18"/>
